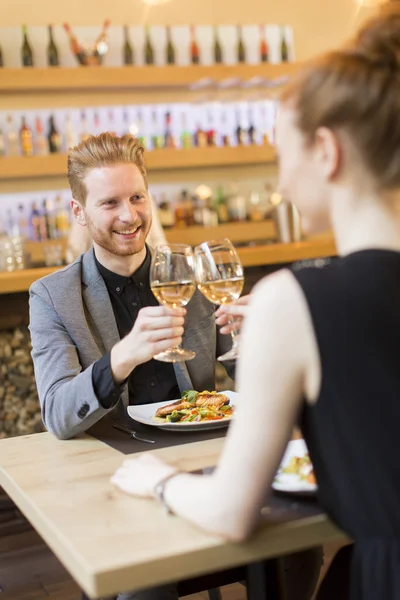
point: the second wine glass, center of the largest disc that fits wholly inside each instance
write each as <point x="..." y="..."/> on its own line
<point x="219" y="275"/>
<point x="172" y="282"/>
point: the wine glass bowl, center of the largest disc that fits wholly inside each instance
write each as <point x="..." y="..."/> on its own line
<point x="173" y="283"/>
<point x="220" y="278"/>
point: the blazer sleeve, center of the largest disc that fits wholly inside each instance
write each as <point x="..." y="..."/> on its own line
<point x="67" y="398"/>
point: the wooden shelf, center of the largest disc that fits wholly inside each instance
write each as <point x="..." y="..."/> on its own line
<point x="272" y="254"/>
<point x="56" y="79"/>
<point x="55" y="165"/>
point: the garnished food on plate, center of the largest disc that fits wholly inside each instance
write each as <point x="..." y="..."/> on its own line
<point x="196" y="406"/>
<point x="302" y="467"/>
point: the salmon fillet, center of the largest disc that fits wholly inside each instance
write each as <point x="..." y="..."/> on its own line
<point x="207" y="399"/>
<point x="177" y="405"/>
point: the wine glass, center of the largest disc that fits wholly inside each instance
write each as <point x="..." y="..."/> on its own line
<point x="219" y="275"/>
<point x="173" y="283"/>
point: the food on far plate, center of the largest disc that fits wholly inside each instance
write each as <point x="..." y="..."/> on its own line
<point x="302" y="467"/>
<point x="196" y="406"/>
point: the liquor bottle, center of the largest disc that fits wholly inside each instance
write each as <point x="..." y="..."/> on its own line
<point x="251" y="132"/>
<point x="194" y="48"/>
<point x="62" y="219"/>
<point x="71" y="138"/>
<point x="35" y="223"/>
<point x="2" y="144"/>
<point x="26" y="51"/>
<point x="211" y="131"/>
<point x="170" y="50"/>
<point x="217" y="47"/>
<point x="101" y="44"/>
<point x="111" y="123"/>
<point x="284" y="46"/>
<point x="221" y="206"/>
<point x="41" y="141"/>
<point x="96" y="123"/>
<point x="1" y="58"/>
<point x="140" y="130"/>
<point x="165" y="213"/>
<point x="50" y="219"/>
<point x="11" y="224"/>
<point x="43" y="232"/>
<point x="157" y="140"/>
<point x="76" y="48"/>
<point x="241" y="50"/>
<point x="186" y="136"/>
<point x="200" y="137"/>
<point x="128" y="50"/>
<point x="26" y="139"/>
<point x="169" y="141"/>
<point x="54" y="137"/>
<point x="148" y="49"/>
<point x="52" y="52"/>
<point x="12" y="138"/>
<point x="84" y="127"/>
<point x="264" y="50"/>
<point x="22" y="222"/>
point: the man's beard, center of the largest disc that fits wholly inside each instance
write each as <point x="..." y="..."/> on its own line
<point x="106" y="239"/>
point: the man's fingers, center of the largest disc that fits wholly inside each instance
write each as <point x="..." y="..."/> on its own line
<point x="164" y="334"/>
<point x="162" y="311"/>
<point x="155" y="323"/>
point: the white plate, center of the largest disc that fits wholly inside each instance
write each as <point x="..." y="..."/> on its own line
<point x="286" y="482"/>
<point x="144" y="413"/>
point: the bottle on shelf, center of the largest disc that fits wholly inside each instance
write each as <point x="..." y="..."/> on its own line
<point x="35" y="223"/>
<point x="251" y="132"/>
<point x="157" y="140"/>
<point x="85" y="134"/>
<point x="221" y="206"/>
<point x="13" y="148"/>
<point x="194" y="48"/>
<point x="111" y="123"/>
<point x="54" y="137"/>
<point x="71" y="138"/>
<point x="62" y="218"/>
<point x="211" y="131"/>
<point x="26" y="50"/>
<point x="140" y="130"/>
<point x="22" y="222"/>
<point x="218" y="58"/>
<point x="1" y="58"/>
<point x="169" y="141"/>
<point x="264" y="50"/>
<point x="148" y="48"/>
<point x="165" y="213"/>
<point x="184" y="210"/>
<point x="50" y="219"/>
<point x="26" y="139"/>
<point x="240" y="134"/>
<point x="43" y="231"/>
<point x="186" y="136"/>
<point x="170" y="50"/>
<point x="2" y="144"/>
<point x="101" y="44"/>
<point x="41" y="141"/>
<point x="96" y="123"/>
<point x="241" y="50"/>
<point x="200" y="137"/>
<point x="11" y="225"/>
<point x="284" y="46"/>
<point x="52" y="52"/>
<point x="75" y="46"/>
<point x="128" y="54"/>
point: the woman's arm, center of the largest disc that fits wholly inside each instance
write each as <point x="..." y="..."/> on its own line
<point x="276" y="348"/>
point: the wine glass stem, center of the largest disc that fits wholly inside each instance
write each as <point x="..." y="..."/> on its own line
<point x="234" y="334"/>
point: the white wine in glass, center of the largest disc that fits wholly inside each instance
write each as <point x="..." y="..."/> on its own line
<point x="219" y="275"/>
<point x="172" y="282"/>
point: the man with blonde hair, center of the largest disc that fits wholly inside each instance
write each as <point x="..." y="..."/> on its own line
<point x="95" y="325"/>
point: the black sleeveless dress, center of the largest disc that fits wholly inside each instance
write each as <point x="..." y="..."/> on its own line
<point x="353" y="430"/>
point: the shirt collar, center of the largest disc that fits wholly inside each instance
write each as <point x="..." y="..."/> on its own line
<point x="117" y="283"/>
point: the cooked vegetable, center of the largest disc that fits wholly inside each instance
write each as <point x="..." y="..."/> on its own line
<point x="196" y="406"/>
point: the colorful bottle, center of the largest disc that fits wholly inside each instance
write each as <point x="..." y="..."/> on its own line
<point x="12" y="138"/>
<point x="26" y="50"/>
<point x="84" y="127"/>
<point x="41" y="141"/>
<point x="170" y="50"/>
<point x="194" y="48"/>
<point x="22" y="222"/>
<point x="50" y="219"/>
<point x="217" y="47"/>
<point x="284" y="46"/>
<point x="71" y="138"/>
<point x="186" y="136"/>
<point x="264" y="50"/>
<point x="52" y="52"/>
<point x="241" y="50"/>
<point x="148" y="49"/>
<point x="169" y="141"/>
<point x="54" y="137"/>
<point x="26" y="139"/>
<point x="35" y="223"/>
<point x="62" y="218"/>
<point x="76" y="48"/>
<point x="127" y="50"/>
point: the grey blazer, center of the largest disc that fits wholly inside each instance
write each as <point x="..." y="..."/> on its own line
<point x="72" y="325"/>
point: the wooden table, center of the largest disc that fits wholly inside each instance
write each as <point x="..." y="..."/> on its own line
<point x="110" y="541"/>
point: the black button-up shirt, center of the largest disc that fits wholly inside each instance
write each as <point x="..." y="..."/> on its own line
<point x="153" y="381"/>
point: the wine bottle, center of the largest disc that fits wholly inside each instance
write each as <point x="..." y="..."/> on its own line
<point x="52" y="52"/>
<point x="241" y="50"/>
<point x="54" y="137"/>
<point x="170" y="50"/>
<point x="284" y="46"/>
<point x="148" y="49"/>
<point x="1" y="58"/>
<point x="76" y="48"/>
<point x="264" y="50"/>
<point x="26" y="51"/>
<point x="25" y="135"/>
<point x="217" y="47"/>
<point x="101" y="44"/>
<point x="127" y="50"/>
<point x="41" y="141"/>
<point x="194" y="48"/>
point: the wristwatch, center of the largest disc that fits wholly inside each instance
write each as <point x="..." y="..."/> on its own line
<point x="160" y="488"/>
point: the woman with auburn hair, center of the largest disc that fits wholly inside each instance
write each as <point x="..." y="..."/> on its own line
<point x="329" y="356"/>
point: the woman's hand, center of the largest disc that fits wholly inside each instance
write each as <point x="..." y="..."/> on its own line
<point x="139" y="476"/>
<point x="230" y="316"/>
